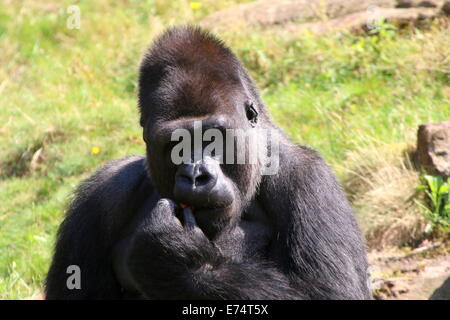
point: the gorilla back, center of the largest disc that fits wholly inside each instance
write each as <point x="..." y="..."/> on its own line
<point x="148" y="227"/>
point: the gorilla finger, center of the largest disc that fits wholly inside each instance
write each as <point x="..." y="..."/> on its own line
<point x="191" y="226"/>
<point x="164" y="211"/>
<point x="189" y="219"/>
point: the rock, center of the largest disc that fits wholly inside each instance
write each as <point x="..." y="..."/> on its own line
<point x="433" y="148"/>
<point x="446" y="8"/>
<point x="419" y="3"/>
<point x="364" y="20"/>
<point x="323" y="16"/>
<point x="269" y="12"/>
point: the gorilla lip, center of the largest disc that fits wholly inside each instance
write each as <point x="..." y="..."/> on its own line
<point x="183" y="206"/>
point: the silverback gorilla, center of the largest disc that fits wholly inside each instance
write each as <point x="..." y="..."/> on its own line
<point x="146" y="228"/>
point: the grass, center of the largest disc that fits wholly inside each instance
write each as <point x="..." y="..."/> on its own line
<point x="66" y="91"/>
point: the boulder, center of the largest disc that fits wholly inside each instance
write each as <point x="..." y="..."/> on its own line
<point x="419" y="3"/>
<point x="364" y="20"/>
<point x="269" y="12"/>
<point x="433" y="148"/>
<point x="446" y="8"/>
<point x="312" y="13"/>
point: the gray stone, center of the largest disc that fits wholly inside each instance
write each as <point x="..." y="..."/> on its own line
<point x="433" y="148"/>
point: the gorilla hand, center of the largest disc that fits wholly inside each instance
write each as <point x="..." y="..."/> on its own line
<point x="164" y="252"/>
<point x="163" y="232"/>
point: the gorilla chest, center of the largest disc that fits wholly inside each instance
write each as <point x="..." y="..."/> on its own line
<point x="250" y="237"/>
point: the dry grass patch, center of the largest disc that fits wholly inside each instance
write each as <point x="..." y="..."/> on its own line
<point x="382" y="187"/>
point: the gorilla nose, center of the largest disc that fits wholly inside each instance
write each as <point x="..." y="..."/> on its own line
<point x="193" y="182"/>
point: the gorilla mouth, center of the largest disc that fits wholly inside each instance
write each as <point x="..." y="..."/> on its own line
<point x="183" y="205"/>
<point x="195" y="209"/>
<point x="209" y="213"/>
<point x="211" y="220"/>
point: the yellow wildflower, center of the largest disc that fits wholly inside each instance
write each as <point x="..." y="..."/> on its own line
<point x="95" y="150"/>
<point x="195" y="5"/>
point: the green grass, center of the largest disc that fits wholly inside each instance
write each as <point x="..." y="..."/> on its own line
<point x="66" y="91"/>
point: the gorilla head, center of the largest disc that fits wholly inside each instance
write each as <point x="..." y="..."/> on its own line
<point x="186" y="77"/>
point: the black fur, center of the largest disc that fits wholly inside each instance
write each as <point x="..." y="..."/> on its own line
<point x="291" y="235"/>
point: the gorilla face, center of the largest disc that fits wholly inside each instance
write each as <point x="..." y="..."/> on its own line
<point x="217" y="192"/>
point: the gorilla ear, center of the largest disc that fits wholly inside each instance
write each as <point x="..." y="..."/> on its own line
<point x="252" y="114"/>
<point x="144" y="131"/>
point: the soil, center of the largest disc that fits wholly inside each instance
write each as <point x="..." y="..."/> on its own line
<point x="420" y="274"/>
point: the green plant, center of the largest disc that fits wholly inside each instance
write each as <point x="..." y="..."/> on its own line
<point x="437" y="210"/>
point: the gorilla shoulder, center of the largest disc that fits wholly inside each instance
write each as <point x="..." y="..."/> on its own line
<point x="115" y="180"/>
<point x="115" y="186"/>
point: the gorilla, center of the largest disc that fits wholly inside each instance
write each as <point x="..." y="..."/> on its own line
<point x="144" y="227"/>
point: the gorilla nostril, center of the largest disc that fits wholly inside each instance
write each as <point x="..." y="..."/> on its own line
<point x="185" y="175"/>
<point x="185" y="179"/>
<point x="202" y="179"/>
<point x="206" y="176"/>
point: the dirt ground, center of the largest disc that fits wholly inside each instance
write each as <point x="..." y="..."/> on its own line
<point x="423" y="273"/>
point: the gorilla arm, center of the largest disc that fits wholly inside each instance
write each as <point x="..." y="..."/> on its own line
<point x="92" y="224"/>
<point x="168" y="261"/>
<point x="318" y="240"/>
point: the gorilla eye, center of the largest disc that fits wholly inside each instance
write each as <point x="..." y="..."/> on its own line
<point x="252" y="114"/>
